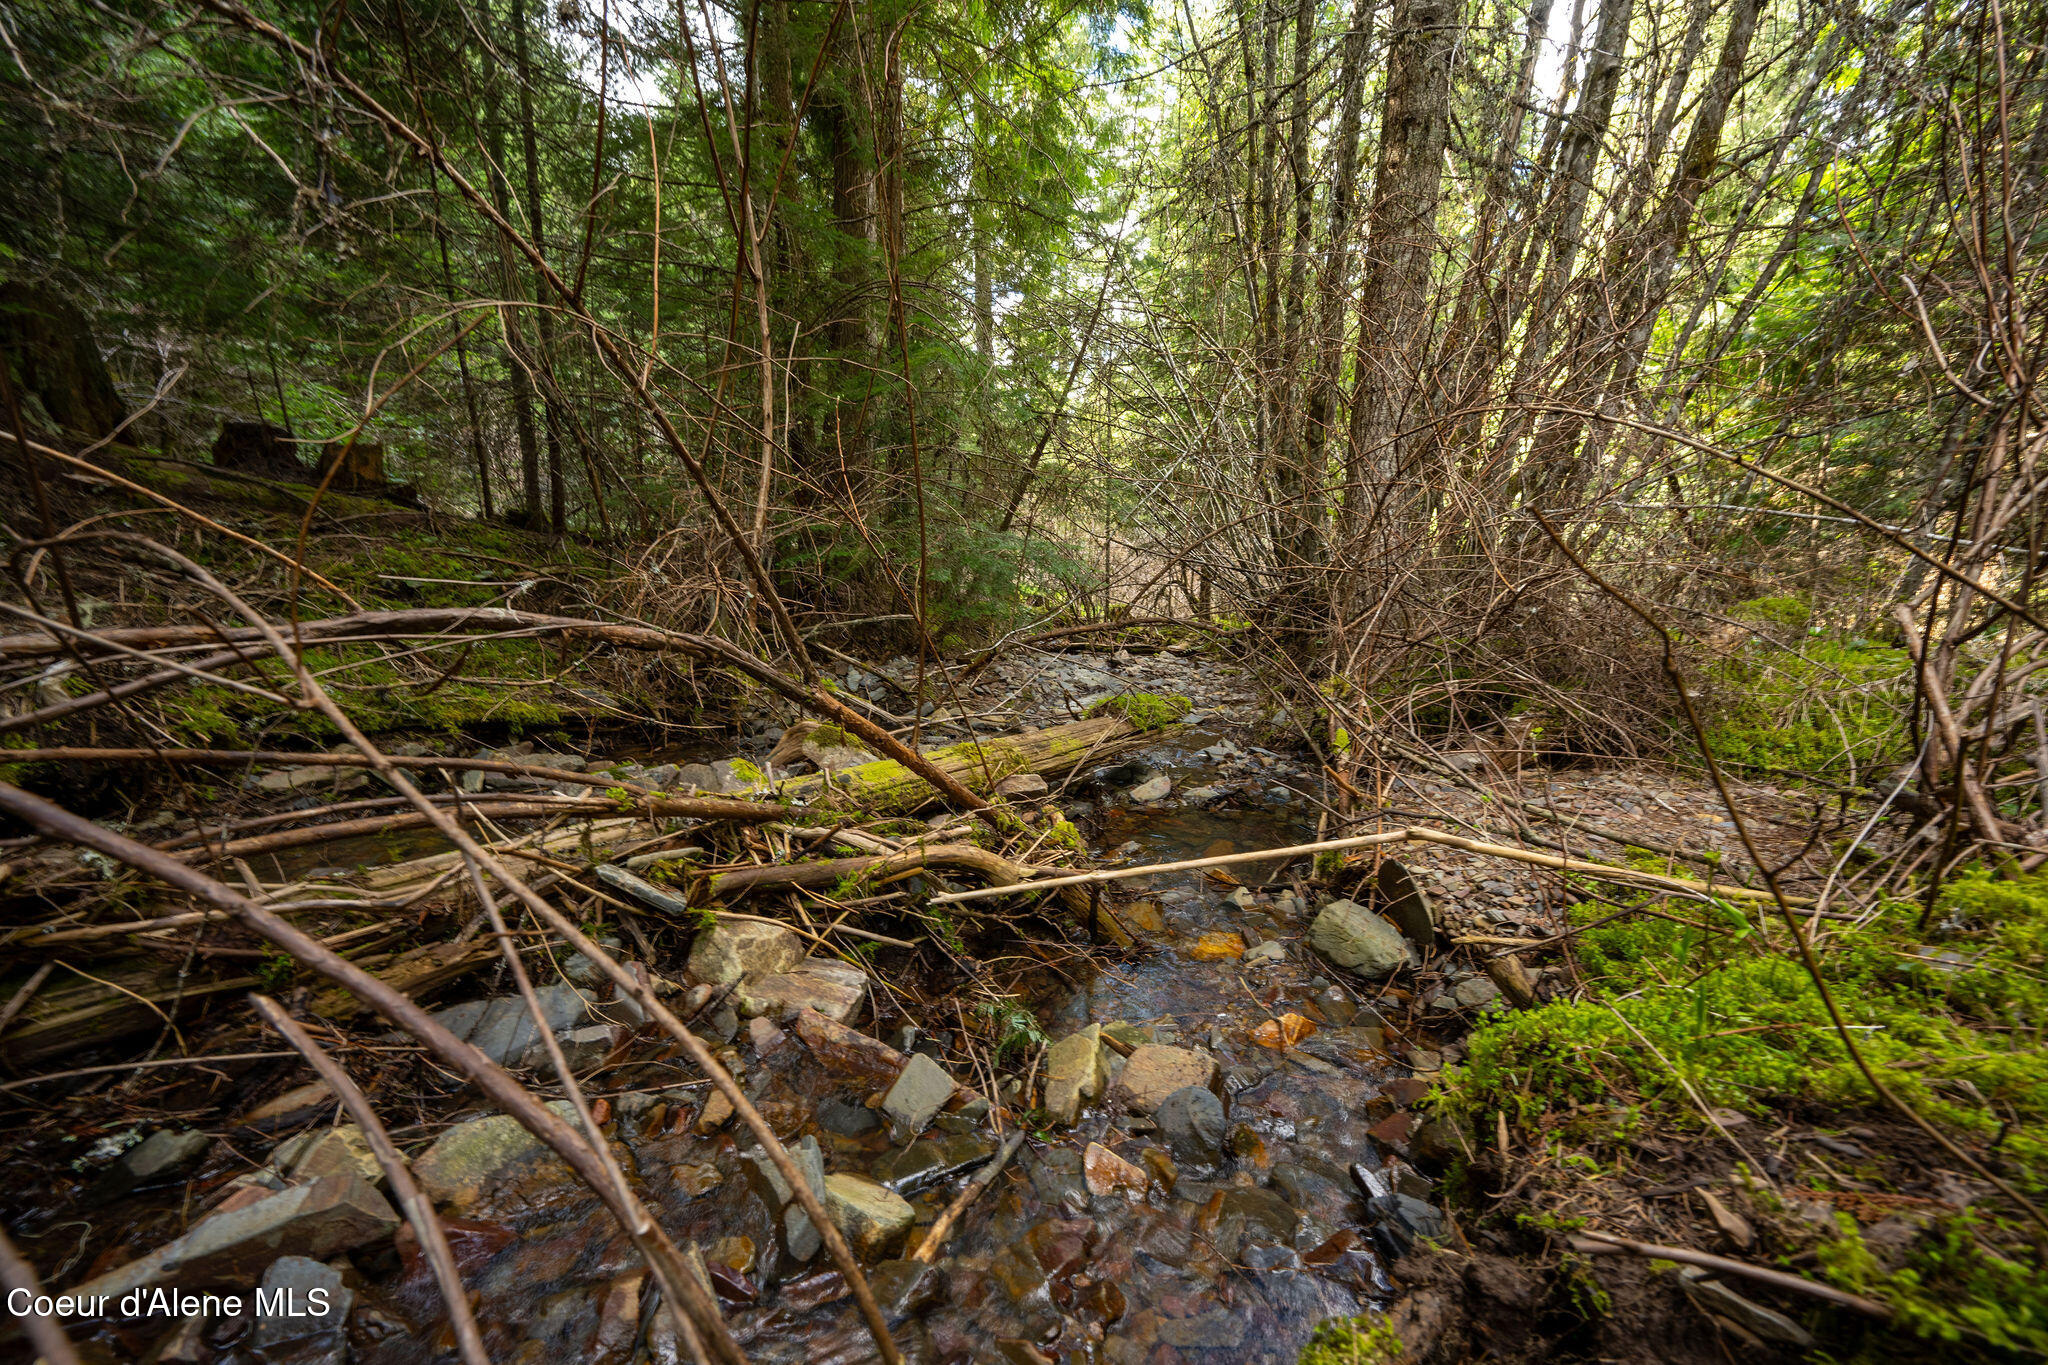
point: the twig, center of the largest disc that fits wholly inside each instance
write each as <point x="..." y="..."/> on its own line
<point x="929" y="1248"/>
<point x="1602" y="1242"/>
<point x="418" y="1210"/>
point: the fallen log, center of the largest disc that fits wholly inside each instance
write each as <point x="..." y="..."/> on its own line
<point x="888" y="787"/>
<point x="876" y="870"/>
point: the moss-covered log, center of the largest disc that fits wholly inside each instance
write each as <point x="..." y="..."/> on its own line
<point x="888" y="788"/>
<point x="876" y="871"/>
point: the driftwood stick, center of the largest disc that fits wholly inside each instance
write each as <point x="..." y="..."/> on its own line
<point x="936" y="1238"/>
<point x="418" y="1209"/>
<point x="1606" y="1243"/>
<point x="1413" y="834"/>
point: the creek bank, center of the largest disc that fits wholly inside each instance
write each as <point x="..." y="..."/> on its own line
<point x="1225" y="1141"/>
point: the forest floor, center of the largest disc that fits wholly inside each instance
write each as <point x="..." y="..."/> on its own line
<point x="1228" y="1140"/>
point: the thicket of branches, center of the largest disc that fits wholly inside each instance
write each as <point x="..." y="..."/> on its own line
<point x="1454" y="349"/>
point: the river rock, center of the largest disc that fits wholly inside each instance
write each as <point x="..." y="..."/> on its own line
<point x="830" y="988"/>
<point x="1022" y="786"/>
<point x="1191" y="1121"/>
<point x="799" y="1233"/>
<point x="872" y="1217"/>
<point x="581" y="1048"/>
<point x="1108" y="1173"/>
<point x="1153" y="788"/>
<point x="159" y="1156"/>
<point x="317" y="1155"/>
<point x="463" y="1160"/>
<point x="1075" y="1071"/>
<point x="1155" y="1072"/>
<point x="734" y="948"/>
<point x="312" y="1298"/>
<point x="1474" y="991"/>
<point x="232" y="1247"/>
<point x="1354" y="938"/>
<point x="918" y="1095"/>
<point x="503" y="1029"/>
<point x="1408" y="904"/>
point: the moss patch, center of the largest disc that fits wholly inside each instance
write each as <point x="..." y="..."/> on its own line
<point x="1146" y="710"/>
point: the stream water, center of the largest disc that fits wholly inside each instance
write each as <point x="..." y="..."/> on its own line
<point x="1231" y="1260"/>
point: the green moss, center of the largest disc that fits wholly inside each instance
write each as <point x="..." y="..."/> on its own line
<point x="1353" y="1341"/>
<point x="748" y="773"/>
<point x="1776" y="611"/>
<point x="1146" y="710"/>
<point x="1955" y="1027"/>
<point x="1812" y="712"/>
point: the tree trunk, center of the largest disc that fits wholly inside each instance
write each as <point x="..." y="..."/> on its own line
<point x="1393" y="347"/>
<point x="536" y="227"/>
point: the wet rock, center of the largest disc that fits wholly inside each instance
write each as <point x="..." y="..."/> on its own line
<point x="1107" y="1173"/>
<point x="503" y="1029"/>
<point x="1154" y="1072"/>
<point x="1397" y="1218"/>
<point x="1356" y="939"/>
<point x="463" y="1160"/>
<point x="1272" y="950"/>
<point x="1162" y="1168"/>
<point x="832" y="989"/>
<point x="734" y="1252"/>
<point x="930" y="1162"/>
<point x="1316" y="1190"/>
<point x="1075" y="1071"/>
<point x="906" y="1288"/>
<point x="1130" y="1035"/>
<point x="847" y="1120"/>
<point x="233" y="1247"/>
<point x="799" y="1234"/>
<point x="717" y="1111"/>
<point x="1154" y="788"/>
<point x="734" y="949"/>
<point x="1720" y="1300"/>
<point x="918" y="1094"/>
<point x="1192" y="1122"/>
<point x="309" y="1298"/>
<point x="846" y="1050"/>
<point x="314" y="1156"/>
<point x="1266" y="1215"/>
<point x="618" y="1320"/>
<point x="1426" y="1059"/>
<point x="1219" y="945"/>
<point x="873" y="1217"/>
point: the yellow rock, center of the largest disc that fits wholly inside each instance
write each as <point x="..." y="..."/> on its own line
<point x="1217" y="946"/>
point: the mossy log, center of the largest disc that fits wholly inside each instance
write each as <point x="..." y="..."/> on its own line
<point x="877" y="871"/>
<point x="885" y="787"/>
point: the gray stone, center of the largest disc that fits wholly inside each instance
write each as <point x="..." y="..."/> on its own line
<point x="463" y="1160"/>
<point x="919" y="1093"/>
<point x="1154" y="788"/>
<point x="306" y="1298"/>
<point x="847" y="1120"/>
<point x="1354" y="938"/>
<point x="581" y="1048"/>
<point x="1155" y="1072"/>
<point x="872" y="1217"/>
<point x="1191" y="1121"/>
<point x="735" y="948"/>
<point x="232" y="1247"/>
<point x="1272" y="950"/>
<point x="503" y="1029"/>
<point x="834" y="989"/>
<point x="798" y="1232"/>
<point x="1474" y="991"/>
<point x="164" y="1153"/>
<point x="1202" y="796"/>
<point x="1018" y="786"/>
<point x="1075" y="1071"/>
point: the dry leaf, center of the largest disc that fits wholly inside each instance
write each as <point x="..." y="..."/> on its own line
<point x="1286" y="1031"/>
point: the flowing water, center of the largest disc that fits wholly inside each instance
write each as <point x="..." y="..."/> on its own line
<point x="1237" y="1261"/>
